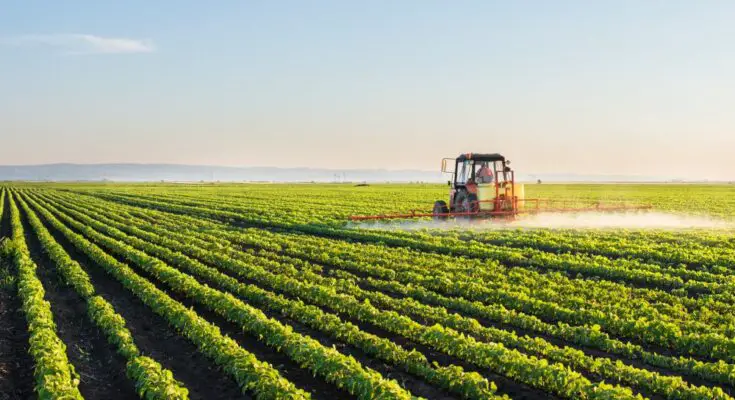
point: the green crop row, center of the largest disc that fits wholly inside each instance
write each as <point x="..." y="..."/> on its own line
<point x="629" y="270"/>
<point x="489" y="355"/>
<point x="333" y="366"/>
<point x="54" y="375"/>
<point x="586" y="336"/>
<point x="604" y="296"/>
<point x="152" y="381"/>
<point x="452" y="378"/>
<point x="379" y="261"/>
<point x="671" y="387"/>
<point x="670" y="331"/>
<point x="670" y="335"/>
<point x="704" y="258"/>
<point x="253" y="375"/>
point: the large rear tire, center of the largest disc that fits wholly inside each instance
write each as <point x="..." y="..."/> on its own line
<point x="466" y="202"/>
<point x="440" y="207"/>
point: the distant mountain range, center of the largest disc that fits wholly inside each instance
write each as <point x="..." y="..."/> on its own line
<point x="197" y="173"/>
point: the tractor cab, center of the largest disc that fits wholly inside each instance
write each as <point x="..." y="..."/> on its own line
<point x="479" y="183"/>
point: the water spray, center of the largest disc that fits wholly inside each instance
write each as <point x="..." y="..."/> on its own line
<point x="647" y="220"/>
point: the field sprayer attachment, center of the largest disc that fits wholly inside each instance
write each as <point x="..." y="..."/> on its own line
<point x="483" y="186"/>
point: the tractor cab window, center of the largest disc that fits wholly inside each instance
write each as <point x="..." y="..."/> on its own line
<point x="464" y="172"/>
<point x="484" y="172"/>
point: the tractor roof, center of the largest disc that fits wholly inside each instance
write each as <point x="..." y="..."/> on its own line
<point x="481" y="157"/>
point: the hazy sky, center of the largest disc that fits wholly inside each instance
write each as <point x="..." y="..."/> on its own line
<point x="628" y="87"/>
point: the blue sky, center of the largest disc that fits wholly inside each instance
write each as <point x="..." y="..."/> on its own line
<point x="632" y="87"/>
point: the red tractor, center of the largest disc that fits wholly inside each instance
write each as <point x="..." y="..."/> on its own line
<point x="484" y="186"/>
<point x="481" y="184"/>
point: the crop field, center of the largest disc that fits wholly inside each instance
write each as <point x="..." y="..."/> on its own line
<point x="267" y="291"/>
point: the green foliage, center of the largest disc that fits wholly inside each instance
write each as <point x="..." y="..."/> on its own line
<point x="344" y="371"/>
<point x="55" y="376"/>
<point x="151" y="380"/>
<point x="252" y="374"/>
<point x="579" y="314"/>
<point x="469" y="385"/>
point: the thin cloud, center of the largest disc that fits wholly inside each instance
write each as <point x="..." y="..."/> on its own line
<point x="75" y="43"/>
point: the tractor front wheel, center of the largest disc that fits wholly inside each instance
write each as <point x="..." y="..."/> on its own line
<point x="440" y="207"/>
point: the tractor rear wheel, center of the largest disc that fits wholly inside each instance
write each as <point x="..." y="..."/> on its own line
<point x="440" y="207"/>
<point x="465" y="202"/>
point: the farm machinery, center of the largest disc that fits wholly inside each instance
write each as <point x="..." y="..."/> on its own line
<point x="483" y="186"/>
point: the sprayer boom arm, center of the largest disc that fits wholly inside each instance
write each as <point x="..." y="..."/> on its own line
<point x="521" y="207"/>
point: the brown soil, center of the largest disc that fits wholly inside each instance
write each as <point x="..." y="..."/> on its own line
<point x="154" y="337"/>
<point x="101" y="370"/>
<point x="414" y="384"/>
<point x="16" y="364"/>
<point x="301" y="377"/>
